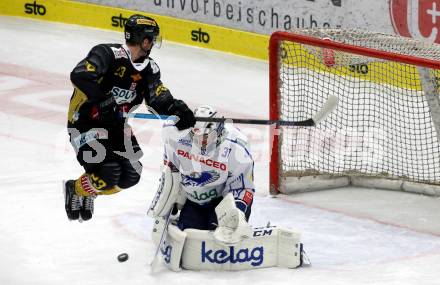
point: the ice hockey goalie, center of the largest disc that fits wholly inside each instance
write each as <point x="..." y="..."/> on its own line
<point x="204" y="201"/>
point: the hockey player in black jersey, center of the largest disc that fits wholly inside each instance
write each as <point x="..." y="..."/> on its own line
<point x="113" y="79"/>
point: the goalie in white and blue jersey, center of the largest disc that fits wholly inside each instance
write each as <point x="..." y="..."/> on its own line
<point x="208" y="176"/>
<point x="213" y="159"/>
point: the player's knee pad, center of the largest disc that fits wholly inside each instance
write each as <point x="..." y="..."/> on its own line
<point x="102" y="181"/>
<point x="110" y="173"/>
<point x="131" y="174"/>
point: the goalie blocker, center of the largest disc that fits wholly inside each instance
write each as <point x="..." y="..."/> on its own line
<point x="199" y="250"/>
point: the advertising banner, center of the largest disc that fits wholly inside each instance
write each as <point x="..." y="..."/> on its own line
<point x="241" y="27"/>
<point x="416" y="18"/>
<point x="411" y="18"/>
<point x="112" y="18"/>
<point x="266" y="16"/>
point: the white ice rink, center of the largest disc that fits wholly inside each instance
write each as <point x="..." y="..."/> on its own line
<point x="352" y="236"/>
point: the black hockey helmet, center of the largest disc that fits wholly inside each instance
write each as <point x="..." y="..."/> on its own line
<point x="139" y="27"/>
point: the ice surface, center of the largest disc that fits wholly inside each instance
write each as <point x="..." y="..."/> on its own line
<point x="352" y="236"/>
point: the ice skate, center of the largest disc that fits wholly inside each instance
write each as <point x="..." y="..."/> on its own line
<point x="72" y="201"/>
<point x="87" y="207"/>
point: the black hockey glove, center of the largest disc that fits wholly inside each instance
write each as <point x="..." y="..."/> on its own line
<point x="186" y="116"/>
<point x="104" y="112"/>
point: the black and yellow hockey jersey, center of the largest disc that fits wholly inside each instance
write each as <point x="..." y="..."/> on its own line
<point x="108" y="79"/>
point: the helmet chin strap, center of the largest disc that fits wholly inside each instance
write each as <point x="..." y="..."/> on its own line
<point x="206" y="143"/>
<point x="146" y="51"/>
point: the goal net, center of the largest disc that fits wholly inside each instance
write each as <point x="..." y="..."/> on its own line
<point x="384" y="131"/>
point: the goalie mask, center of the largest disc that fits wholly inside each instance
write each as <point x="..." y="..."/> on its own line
<point x="205" y="134"/>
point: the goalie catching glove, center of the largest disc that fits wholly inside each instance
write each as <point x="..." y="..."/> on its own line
<point x="232" y="225"/>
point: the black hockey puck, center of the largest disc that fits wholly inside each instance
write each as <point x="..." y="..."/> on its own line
<point x="123" y="257"/>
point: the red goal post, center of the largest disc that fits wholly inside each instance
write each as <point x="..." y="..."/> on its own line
<point x="379" y="79"/>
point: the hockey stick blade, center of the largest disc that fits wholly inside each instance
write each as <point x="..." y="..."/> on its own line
<point x="329" y="106"/>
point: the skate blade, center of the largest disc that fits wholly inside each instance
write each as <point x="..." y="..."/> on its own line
<point x="64" y="190"/>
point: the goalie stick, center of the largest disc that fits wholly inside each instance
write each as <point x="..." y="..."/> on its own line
<point x="327" y="108"/>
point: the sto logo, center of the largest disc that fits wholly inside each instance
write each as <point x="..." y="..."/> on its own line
<point x="419" y="19"/>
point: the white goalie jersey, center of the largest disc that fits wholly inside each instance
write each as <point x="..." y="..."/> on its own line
<point x="225" y="166"/>
<point x="207" y="166"/>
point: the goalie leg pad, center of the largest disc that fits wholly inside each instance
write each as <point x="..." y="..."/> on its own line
<point x="172" y="247"/>
<point x="289" y="249"/>
<point x="167" y="194"/>
<point x="268" y="247"/>
<point x="158" y="227"/>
